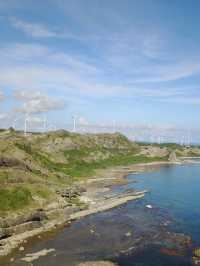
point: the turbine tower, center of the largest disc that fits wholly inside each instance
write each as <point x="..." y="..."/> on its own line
<point x="44" y="124"/>
<point x="114" y="126"/>
<point x="189" y="138"/>
<point x="26" y="124"/>
<point x="74" y="123"/>
<point x="14" y="122"/>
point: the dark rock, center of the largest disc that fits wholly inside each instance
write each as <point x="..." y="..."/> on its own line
<point x="37" y="216"/>
<point x="18" y="229"/>
<point x="3" y="233"/>
<point x="69" y="193"/>
<point x="12" y="162"/>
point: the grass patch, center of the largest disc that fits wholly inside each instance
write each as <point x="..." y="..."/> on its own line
<point x="193" y="154"/>
<point x="25" y="147"/>
<point x="78" y="167"/>
<point x="42" y="192"/>
<point x="14" y="198"/>
<point x="3" y="176"/>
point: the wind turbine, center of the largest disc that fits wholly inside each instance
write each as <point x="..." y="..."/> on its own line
<point x="14" y="122"/>
<point x="74" y="123"/>
<point x="52" y="127"/>
<point x="44" y="124"/>
<point x="189" y="138"/>
<point x="26" y="124"/>
<point x="182" y="140"/>
<point x="114" y="126"/>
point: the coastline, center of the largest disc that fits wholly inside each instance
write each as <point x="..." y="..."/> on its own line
<point x="95" y="196"/>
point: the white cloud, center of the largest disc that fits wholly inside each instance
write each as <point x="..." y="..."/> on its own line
<point x="39" y="30"/>
<point x="2" y="97"/>
<point x="25" y="95"/>
<point x="169" y="72"/>
<point x="20" y="53"/>
<point x="35" y="30"/>
<point x="3" y="116"/>
<point x="83" y="121"/>
<point x="37" y="102"/>
<point x="33" y="66"/>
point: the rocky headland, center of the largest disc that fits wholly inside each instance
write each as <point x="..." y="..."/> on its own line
<point x="48" y="180"/>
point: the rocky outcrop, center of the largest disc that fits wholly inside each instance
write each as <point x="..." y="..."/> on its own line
<point x="14" y="163"/>
<point x="152" y="151"/>
<point x="172" y="157"/>
<point x="196" y="256"/>
<point x="14" y="220"/>
<point x="18" y="229"/>
<point x="70" y="193"/>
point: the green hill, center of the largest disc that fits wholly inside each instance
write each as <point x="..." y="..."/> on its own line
<point x="33" y="168"/>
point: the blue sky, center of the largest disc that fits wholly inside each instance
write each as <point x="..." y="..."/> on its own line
<point x="133" y="61"/>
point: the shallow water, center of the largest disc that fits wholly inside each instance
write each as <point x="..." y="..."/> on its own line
<point x="177" y="190"/>
<point x="132" y="235"/>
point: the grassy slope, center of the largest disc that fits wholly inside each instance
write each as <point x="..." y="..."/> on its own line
<point x="33" y="168"/>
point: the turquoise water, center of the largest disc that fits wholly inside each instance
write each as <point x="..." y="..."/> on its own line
<point x="132" y="234"/>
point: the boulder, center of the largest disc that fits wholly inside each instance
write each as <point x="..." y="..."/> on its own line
<point x="196" y="256"/>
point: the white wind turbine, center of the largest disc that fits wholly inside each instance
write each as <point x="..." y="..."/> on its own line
<point x="189" y="138"/>
<point x="74" y="123"/>
<point x="26" y="124"/>
<point x="159" y="139"/>
<point x="44" y="124"/>
<point x="182" y="140"/>
<point x="15" y="121"/>
<point x="114" y="126"/>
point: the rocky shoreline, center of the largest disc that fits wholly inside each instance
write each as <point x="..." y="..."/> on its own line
<point x="95" y="198"/>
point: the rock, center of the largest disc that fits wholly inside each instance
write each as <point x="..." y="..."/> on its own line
<point x="12" y="259"/>
<point x="128" y="234"/>
<point x="3" y="233"/>
<point x="166" y="223"/>
<point x="196" y="252"/>
<point x="196" y="256"/>
<point x="92" y="231"/>
<point x="130" y="191"/>
<point x="21" y="248"/>
<point x="172" y="157"/>
<point x="149" y="206"/>
<point x="34" y="256"/>
<point x="37" y="216"/>
<point x="70" y="193"/>
<point x="174" y="243"/>
<point x="18" y="219"/>
<point x="169" y="252"/>
<point x="21" y="228"/>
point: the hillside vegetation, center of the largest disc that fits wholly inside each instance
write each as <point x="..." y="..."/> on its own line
<point x="33" y="168"/>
